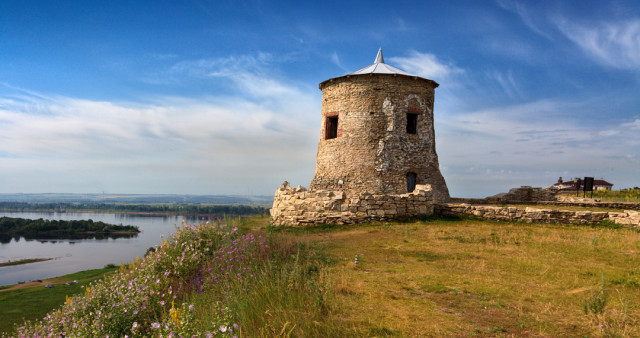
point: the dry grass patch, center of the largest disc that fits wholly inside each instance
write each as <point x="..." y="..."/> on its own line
<point x="469" y="277"/>
<point x="459" y="277"/>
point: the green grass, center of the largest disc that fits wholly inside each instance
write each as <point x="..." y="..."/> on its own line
<point x="432" y="277"/>
<point x="622" y="195"/>
<point x="464" y="276"/>
<point x="29" y="303"/>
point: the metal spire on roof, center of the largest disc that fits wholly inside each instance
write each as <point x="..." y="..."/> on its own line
<point x="379" y="57"/>
<point x="379" y="67"/>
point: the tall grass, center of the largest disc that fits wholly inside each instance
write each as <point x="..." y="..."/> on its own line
<point x="433" y="277"/>
<point x="205" y="280"/>
<point x="622" y="195"/>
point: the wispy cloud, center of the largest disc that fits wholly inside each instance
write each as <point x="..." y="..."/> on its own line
<point x="615" y="44"/>
<point x="336" y="61"/>
<point x="256" y="138"/>
<point x="533" y="20"/>
<point x="532" y="144"/>
<point x="426" y="65"/>
<point x="635" y="125"/>
<point x="506" y="82"/>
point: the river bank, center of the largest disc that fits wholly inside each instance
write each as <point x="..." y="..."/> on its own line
<point x="75" y="254"/>
<point x="32" y="300"/>
<point x="24" y="261"/>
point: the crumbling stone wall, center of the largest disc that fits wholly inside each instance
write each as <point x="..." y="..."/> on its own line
<point x="299" y="206"/>
<point x="373" y="151"/>
<point x="525" y="194"/>
<point x="628" y="217"/>
<point x="595" y="203"/>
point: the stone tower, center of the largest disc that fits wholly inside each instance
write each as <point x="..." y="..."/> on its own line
<point x="377" y="133"/>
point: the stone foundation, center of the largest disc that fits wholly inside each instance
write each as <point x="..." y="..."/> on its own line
<point x="628" y="218"/>
<point x="299" y="206"/>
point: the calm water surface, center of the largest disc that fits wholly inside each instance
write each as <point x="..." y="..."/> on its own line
<point x="76" y="255"/>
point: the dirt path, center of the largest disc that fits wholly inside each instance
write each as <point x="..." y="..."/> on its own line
<point x="33" y="284"/>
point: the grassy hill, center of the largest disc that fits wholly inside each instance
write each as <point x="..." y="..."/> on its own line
<point x="431" y="277"/>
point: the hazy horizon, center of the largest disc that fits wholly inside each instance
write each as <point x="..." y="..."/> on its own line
<point x="204" y="98"/>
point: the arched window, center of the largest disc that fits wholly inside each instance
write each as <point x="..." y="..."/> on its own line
<point x="411" y="181"/>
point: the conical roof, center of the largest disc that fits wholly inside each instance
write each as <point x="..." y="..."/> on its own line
<point x="379" y="67"/>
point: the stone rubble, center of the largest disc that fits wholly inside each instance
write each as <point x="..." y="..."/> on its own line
<point x="630" y="218"/>
<point x="299" y="206"/>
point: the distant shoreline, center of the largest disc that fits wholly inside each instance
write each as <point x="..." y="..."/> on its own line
<point x="143" y="213"/>
<point x="24" y="261"/>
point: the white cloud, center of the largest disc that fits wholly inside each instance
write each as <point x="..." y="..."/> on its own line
<point x="616" y="44"/>
<point x="507" y="82"/>
<point x="217" y="144"/>
<point x="531" y="20"/>
<point x="426" y="65"/>
<point x="635" y="125"/>
<point x="336" y="61"/>
<point x="531" y="144"/>
<point x="609" y="132"/>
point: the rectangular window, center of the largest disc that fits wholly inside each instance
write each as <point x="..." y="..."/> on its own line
<point x="331" y="127"/>
<point x="411" y="181"/>
<point x="412" y="123"/>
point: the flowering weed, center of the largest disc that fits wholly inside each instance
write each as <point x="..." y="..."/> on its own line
<point x="141" y="298"/>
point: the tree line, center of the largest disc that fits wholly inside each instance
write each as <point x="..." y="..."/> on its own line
<point x="172" y="208"/>
<point x="23" y="227"/>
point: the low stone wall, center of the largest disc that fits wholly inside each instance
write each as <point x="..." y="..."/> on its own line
<point x="524" y="194"/>
<point x="575" y="203"/>
<point x="527" y="194"/>
<point x="628" y="217"/>
<point x="299" y="206"/>
<point x="611" y="205"/>
<point x="575" y="199"/>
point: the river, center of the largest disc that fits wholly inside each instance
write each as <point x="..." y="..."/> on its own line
<point x="72" y="255"/>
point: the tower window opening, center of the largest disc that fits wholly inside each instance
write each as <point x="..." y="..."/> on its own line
<point x="412" y="123"/>
<point x="411" y="181"/>
<point x="331" y="127"/>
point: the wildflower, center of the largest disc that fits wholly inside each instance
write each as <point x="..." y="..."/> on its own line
<point x="155" y="325"/>
<point x="191" y="307"/>
<point x="223" y="328"/>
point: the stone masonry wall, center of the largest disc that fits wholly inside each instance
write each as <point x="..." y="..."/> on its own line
<point x="299" y="206"/>
<point x="525" y="194"/>
<point x="373" y="151"/>
<point x="516" y="195"/>
<point x="628" y="218"/>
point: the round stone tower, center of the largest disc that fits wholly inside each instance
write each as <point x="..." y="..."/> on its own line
<point x="377" y="133"/>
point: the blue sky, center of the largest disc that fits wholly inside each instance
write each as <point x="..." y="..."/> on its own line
<point x="221" y="97"/>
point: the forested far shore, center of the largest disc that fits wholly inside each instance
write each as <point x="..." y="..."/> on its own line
<point x="25" y="227"/>
<point x="164" y="208"/>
